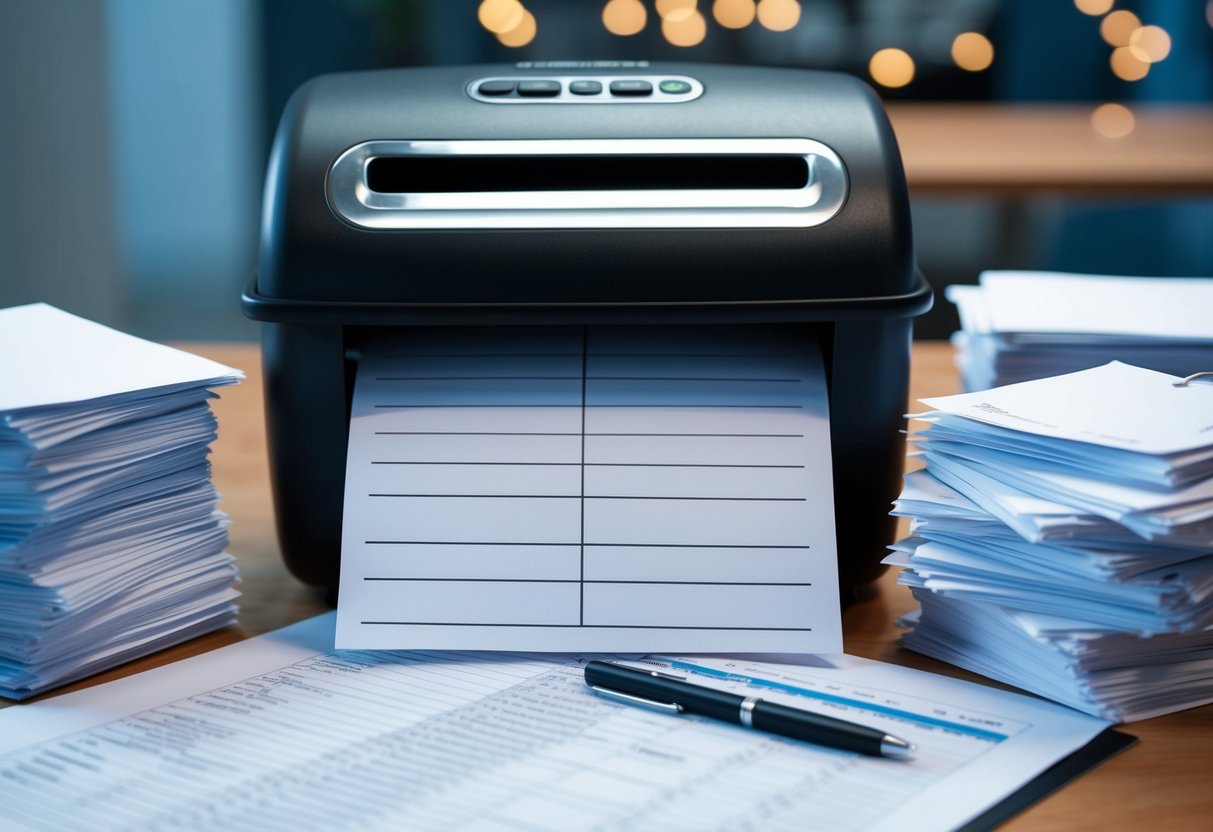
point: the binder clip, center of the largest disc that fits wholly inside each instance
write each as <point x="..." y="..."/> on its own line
<point x="1183" y="382"/>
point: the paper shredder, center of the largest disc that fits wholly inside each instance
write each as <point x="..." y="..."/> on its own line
<point x="583" y="193"/>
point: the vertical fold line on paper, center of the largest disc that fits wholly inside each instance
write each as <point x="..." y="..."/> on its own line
<point x="585" y="359"/>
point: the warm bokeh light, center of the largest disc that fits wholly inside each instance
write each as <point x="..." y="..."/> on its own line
<point x="500" y="15"/>
<point x="1113" y="121"/>
<point x="624" y="17"/>
<point x="1209" y="13"/>
<point x="1118" y="27"/>
<point x="778" y="15"/>
<point x="891" y="68"/>
<point x="972" y="51"/>
<point x="1150" y="43"/>
<point x="676" y="11"/>
<point x="687" y="31"/>
<point x="736" y="14"/>
<point x="522" y="34"/>
<point x="1127" y="66"/>
<point x="1093" y="7"/>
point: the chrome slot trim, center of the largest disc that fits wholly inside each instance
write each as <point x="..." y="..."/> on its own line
<point x="822" y="196"/>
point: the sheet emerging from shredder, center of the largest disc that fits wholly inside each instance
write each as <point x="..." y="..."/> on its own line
<point x="590" y="489"/>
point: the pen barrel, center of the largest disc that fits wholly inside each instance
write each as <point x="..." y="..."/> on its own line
<point x="816" y="728"/>
<point x="694" y="699"/>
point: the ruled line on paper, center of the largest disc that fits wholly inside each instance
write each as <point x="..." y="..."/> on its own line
<point x="466" y="543"/>
<point x="670" y="405"/>
<point x="460" y="462"/>
<point x="683" y="465"/>
<point x="585" y="465"/>
<point x="478" y="378"/>
<point x="684" y="406"/>
<point x="716" y="499"/>
<point x="480" y="405"/>
<point x="476" y="433"/>
<point x="590" y="497"/>
<point x="694" y="378"/>
<point x="705" y="435"/>
<point x="588" y="544"/>
<point x="577" y="433"/>
<point x="485" y="496"/>
<point x="583" y="580"/>
<point x="591" y="378"/>
<point x="586" y="626"/>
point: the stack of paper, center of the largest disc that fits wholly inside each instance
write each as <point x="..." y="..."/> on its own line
<point x="1062" y="538"/>
<point x="1018" y="326"/>
<point x="111" y="544"/>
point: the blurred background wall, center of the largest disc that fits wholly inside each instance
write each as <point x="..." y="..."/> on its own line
<point x="135" y="132"/>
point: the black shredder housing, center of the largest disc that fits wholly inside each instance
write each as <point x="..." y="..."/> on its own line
<point x="641" y="195"/>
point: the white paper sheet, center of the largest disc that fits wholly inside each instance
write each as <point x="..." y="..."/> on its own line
<point x="278" y="733"/>
<point x="90" y="361"/>
<point x="1115" y="406"/>
<point x="1051" y="302"/>
<point x="601" y="489"/>
<point x="1026" y="325"/>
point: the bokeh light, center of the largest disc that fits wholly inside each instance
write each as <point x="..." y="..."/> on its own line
<point x="624" y="17"/>
<point x="1093" y="7"/>
<point x="972" y="51"/>
<point x="500" y="15"/>
<point x="1113" y="121"/>
<point x="522" y="34"/>
<point x="735" y="14"/>
<point x="686" y="31"/>
<point x="675" y="11"/>
<point x="1150" y="43"/>
<point x="1127" y="66"/>
<point x="778" y="15"/>
<point x="1118" y="27"/>
<point x="891" y="68"/>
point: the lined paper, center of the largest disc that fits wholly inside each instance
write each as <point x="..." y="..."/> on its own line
<point x="603" y="489"/>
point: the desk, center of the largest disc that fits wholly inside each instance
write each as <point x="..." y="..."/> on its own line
<point x="1001" y="150"/>
<point x="1160" y="783"/>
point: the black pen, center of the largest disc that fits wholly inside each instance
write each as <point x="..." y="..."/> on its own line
<point x="673" y="694"/>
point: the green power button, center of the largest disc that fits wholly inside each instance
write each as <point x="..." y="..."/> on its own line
<point x="674" y="87"/>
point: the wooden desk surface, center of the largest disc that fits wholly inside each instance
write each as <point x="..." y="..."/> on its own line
<point x="1160" y="783"/>
<point x="1022" y="150"/>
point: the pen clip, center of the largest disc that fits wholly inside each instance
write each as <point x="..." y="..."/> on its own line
<point x="628" y="699"/>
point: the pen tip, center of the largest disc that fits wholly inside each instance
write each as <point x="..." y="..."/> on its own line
<point x="892" y="746"/>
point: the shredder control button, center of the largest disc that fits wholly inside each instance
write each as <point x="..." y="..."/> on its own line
<point x="631" y="88"/>
<point x="539" y="89"/>
<point x="585" y="87"/>
<point x="495" y="87"/>
<point x="673" y="87"/>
